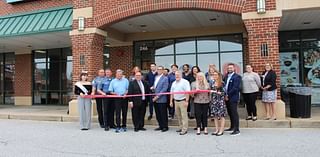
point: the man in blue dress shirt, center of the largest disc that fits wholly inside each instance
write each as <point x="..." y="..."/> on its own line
<point x="119" y="86"/>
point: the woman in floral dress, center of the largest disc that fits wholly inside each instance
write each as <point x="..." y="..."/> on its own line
<point x="217" y="104"/>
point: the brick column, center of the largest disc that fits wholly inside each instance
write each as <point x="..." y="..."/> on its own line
<point x="90" y="46"/>
<point x="23" y="80"/>
<point x="263" y="31"/>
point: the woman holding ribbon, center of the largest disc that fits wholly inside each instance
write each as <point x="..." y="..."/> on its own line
<point x="201" y="102"/>
<point x="217" y="104"/>
<point x="83" y="88"/>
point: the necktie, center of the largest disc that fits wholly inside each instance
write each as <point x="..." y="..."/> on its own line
<point x="142" y="89"/>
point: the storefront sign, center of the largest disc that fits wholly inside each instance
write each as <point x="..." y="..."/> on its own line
<point x="289" y="66"/>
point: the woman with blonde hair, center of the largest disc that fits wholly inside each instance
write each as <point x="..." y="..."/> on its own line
<point x="133" y="73"/>
<point x="217" y="104"/>
<point x="201" y="102"/>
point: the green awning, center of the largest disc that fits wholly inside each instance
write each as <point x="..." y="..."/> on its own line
<point x="57" y="19"/>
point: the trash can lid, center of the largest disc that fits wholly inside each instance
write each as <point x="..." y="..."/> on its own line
<point x="300" y="90"/>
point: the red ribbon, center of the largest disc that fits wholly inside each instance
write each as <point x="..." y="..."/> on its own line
<point x="137" y="95"/>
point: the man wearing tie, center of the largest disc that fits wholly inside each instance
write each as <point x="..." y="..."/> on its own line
<point x="138" y="104"/>
<point x="232" y="88"/>
<point x="161" y="84"/>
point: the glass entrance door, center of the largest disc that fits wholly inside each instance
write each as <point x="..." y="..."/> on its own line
<point x="7" y="70"/>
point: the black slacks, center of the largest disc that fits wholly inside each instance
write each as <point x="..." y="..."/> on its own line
<point x="99" y="102"/>
<point x="201" y="113"/>
<point x="121" y="106"/>
<point x="232" y="109"/>
<point x="138" y="113"/>
<point x="250" y="100"/>
<point x="108" y="112"/>
<point x="161" y="114"/>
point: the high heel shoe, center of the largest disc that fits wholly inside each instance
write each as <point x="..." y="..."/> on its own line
<point x="219" y="134"/>
<point x="214" y="133"/>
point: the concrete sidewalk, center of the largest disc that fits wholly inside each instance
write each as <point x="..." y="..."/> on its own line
<point x="59" y="113"/>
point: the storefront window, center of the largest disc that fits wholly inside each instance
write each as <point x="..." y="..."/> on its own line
<point x="200" y="51"/>
<point x="7" y="70"/>
<point x="52" y="82"/>
<point x="300" y="61"/>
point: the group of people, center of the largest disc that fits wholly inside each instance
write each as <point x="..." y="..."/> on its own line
<point x="183" y="94"/>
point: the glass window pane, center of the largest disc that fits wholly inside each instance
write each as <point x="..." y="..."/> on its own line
<point x="289" y="40"/>
<point x="66" y="54"/>
<point x="39" y="97"/>
<point x="9" y="77"/>
<point x="185" y="46"/>
<point x="289" y="67"/>
<point x="54" y="76"/>
<point x="54" y="55"/>
<point x="53" y="97"/>
<point x="40" y="56"/>
<point x="143" y="47"/>
<point x="310" y="38"/>
<point x="66" y="75"/>
<point x="40" y="74"/>
<point x="186" y="59"/>
<point x="205" y="59"/>
<point x="231" y="43"/>
<point x="165" y="61"/>
<point x="235" y="58"/>
<point x="9" y="58"/>
<point x="163" y="47"/>
<point x="312" y="67"/>
<point x="207" y="44"/>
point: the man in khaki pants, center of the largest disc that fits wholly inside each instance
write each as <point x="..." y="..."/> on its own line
<point x="181" y="101"/>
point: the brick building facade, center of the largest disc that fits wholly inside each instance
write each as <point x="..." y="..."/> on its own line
<point x="116" y="23"/>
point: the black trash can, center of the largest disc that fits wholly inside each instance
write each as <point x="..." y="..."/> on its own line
<point x="300" y="102"/>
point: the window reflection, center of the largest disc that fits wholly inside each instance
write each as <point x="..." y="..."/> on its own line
<point x="52" y="76"/>
<point x="7" y="70"/>
<point x="208" y="44"/>
<point x="231" y="43"/>
<point x="163" y="47"/>
<point x="185" y="46"/>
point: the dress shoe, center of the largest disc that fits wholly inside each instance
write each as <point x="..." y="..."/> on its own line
<point x="249" y="118"/>
<point x="179" y="130"/>
<point x="183" y="133"/>
<point x="235" y="133"/>
<point x="106" y="129"/>
<point x="136" y="130"/>
<point x="143" y="129"/>
<point x="230" y="129"/>
<point x="214" y="133"/>
<point x="84" y="129"/>
<point x="150" y="117"/>
<point x="157" y="129"/>
<point x="254" y="118"/>
<point x="219" y="134"/>
<point x="117" y="130"/>
<point x="164" y="129"/>
<point x="102" y="126"/>
<point x="198" y="133"/>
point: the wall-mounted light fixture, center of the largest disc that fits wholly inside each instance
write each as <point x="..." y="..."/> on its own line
<point x="261" y="6"/>
<point x="81" y="23"/>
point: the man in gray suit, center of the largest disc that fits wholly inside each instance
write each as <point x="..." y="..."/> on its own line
<point x="160" y="86"/>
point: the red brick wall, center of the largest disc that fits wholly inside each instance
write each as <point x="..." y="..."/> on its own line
<point x="121" y="58"/>
<point x="263" y="31"/>
<point x="23" y="75"/>
<point x="91" y="46"/>
<point x="115" y="10"/>
<point x="6" y="8"/>
<point x="251" y="5"/>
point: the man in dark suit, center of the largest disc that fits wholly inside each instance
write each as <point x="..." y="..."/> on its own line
<point x="160" y="85"/>
<point x="138" y="104"/>
<point x="150" y="80"/>
<point x="232" y="87"/>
